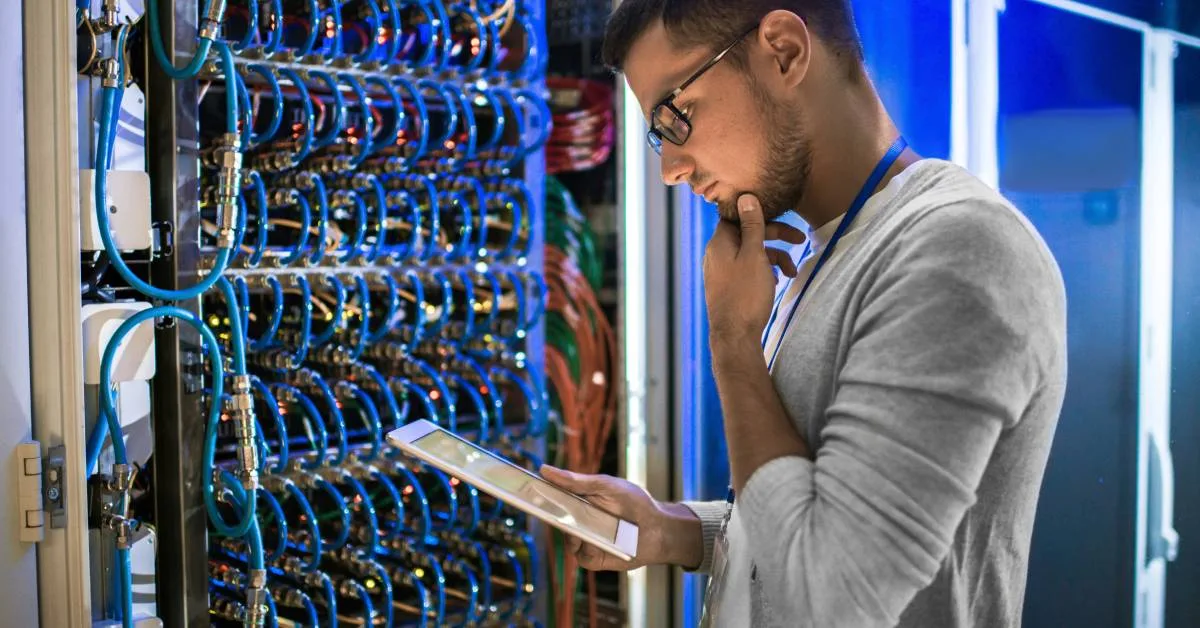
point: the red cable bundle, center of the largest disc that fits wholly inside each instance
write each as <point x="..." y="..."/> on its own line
<point x="584" y="130"/>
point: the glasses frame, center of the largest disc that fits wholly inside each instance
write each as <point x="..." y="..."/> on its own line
<point x="655" y="136"/>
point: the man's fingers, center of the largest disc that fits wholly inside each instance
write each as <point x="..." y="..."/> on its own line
<point x="786" y="233"/>
<point x="750" y="218"/>
<point x="783" y="260"/>
<point x="574" y="482"/>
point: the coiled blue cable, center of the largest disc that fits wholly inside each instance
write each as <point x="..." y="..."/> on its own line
<point x="388" y="318"/>
<point x="277" y="513"/>
<point x="276" y="103"/>
<point x="306" y="141"/>
<point x="363" y="293"/>
<point x="276" y="36"/>
<point x="422" y="117"/>
<point x="109" y="108"/>
<point x="362" y="501"/>
<point x="337" y="312"/>
<point x="272" y="404"/>
<point x="310" y="517"/>
<point x="385" y="586"/>
<point x="334" y="413"/>
<point x="329" y="489"/>
<point x="367" y="143"/>
<point x="336" y="121"/>
<point x="370" y="418"/>
<point x="313" y="422"/>
<point x="156" y="43"/>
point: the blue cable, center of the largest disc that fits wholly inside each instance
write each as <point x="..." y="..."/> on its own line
<point x="301" y="203"/>
<point x="251" y="27"/>
<point x="509" y="202"/>
<point x="385" y="584"/>
<point x="464" y="275"/>
<point x="386" y="391"/>
<point x="355" y="245"/>
<point x="268" y="336"/>
<point x="388" y="135"/>
<point x="125" y="575"/>
<point x="381" y="207"/>
<point x="277" y="512"/>
<point x="430" y="409"/>
<point x="476" y="400"/>
<point x="370" y="415"/>
<point x="310" y="42"/>
<point x="393" y="307"/>
<point x="398" y="502"/>
<point x="260" y="198"/>
<point x="368" y="610"/>
<point x="331" y="490"/>
<point x="107" y="119"/>
<point x="336" y="121"/>
<point x="364" y="306"/>
<point x="335" y="413"/>
<point x="156" y="42"/>
<point x="544" y="119"/>
<point x="330" y="599"/>
<point x="276" y="38"/>
<point x="495" y="399"/>
<point x="476" y="59"/>
<point x="339" y="310"/>
<point x="372" y="46"/>
<point x="393" y="49"/>
<point x="363" y="501"/>
<point x="312" y="420"/>
<point x="306" y="142"/>
<point x="269" y="400"/>
<point x="310" y="517"/>
<point x="497" y="115"/>
<point x="276" y="102"/>
<point x="368" y="141"/>
<point x="414" y="94"/>
<point x="317" y="186"/>
<point x="425" y="533"/>
<point x="305" y="334"/>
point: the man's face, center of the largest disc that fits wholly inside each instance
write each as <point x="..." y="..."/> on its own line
<point x="743" y="139"/>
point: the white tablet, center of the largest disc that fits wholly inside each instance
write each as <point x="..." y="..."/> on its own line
<point x="515" y="485"/>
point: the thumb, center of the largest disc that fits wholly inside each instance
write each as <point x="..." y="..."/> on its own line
<point x="750" y="217"/>
<point x="574" y="482"/>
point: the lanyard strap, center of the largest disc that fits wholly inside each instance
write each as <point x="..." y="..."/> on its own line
<point x="864" y="195"/>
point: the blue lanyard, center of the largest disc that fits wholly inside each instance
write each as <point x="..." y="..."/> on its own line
<point x="865" y="194"/>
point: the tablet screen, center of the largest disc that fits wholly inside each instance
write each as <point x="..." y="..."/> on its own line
<point x="568" y="509"/>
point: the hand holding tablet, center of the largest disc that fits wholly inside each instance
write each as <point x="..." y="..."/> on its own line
<point x="518" y="487"/>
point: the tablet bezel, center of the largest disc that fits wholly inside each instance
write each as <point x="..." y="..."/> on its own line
<point x="624" y="546"/>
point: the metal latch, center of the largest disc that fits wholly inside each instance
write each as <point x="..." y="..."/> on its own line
<point x="29" y="492"/>
<point x="55" y="498"/>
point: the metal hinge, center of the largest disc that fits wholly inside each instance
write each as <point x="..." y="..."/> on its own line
<point x="29" y="492"/>
<point x="54" y="496"/>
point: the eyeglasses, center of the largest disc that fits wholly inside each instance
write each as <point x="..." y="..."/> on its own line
<point x="666" y="120"/>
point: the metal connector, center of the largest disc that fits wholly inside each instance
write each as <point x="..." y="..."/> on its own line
<point x="210" y="24"/>
<point x="108" y="17"/>
<point x="122" y="478"/>
<point x="121" y="528"/>
<point x="256" y="599"/>
<point x="109" y="71"/>
<point x="228" y="158"/>
<point x="241" y="413"/>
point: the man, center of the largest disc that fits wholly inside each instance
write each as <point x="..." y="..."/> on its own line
<point x="889" y="418"/>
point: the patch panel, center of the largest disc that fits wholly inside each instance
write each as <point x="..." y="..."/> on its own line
<point x="347" y="237"/>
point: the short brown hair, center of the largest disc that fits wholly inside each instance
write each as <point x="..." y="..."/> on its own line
<point x="716" y="23"/>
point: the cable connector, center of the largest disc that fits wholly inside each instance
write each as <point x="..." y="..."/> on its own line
<point x="122" y="478"/>
<point x="228" y="157"/>
<point x="210" y="24"/>
<point x="241" y="413"/>
<point x="109" y="71"/>
<point x="121" y="527"/>
<point x="256" y="599"/>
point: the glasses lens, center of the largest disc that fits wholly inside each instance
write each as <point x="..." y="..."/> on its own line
<point x="670" y="124"/>
<point x="655" y="141"/>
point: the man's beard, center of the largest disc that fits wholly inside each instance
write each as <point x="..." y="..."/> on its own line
<point x="787" y="163"/>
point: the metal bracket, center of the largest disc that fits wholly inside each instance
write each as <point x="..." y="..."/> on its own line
<point x="163" y="244"/>
<point x="54" y="496"/>
<point x="29" y="480"/>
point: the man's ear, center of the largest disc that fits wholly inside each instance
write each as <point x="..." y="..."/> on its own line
<point x="786" y="39"/>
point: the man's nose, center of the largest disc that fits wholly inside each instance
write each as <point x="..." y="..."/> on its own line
<point x="676" y="168"/>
